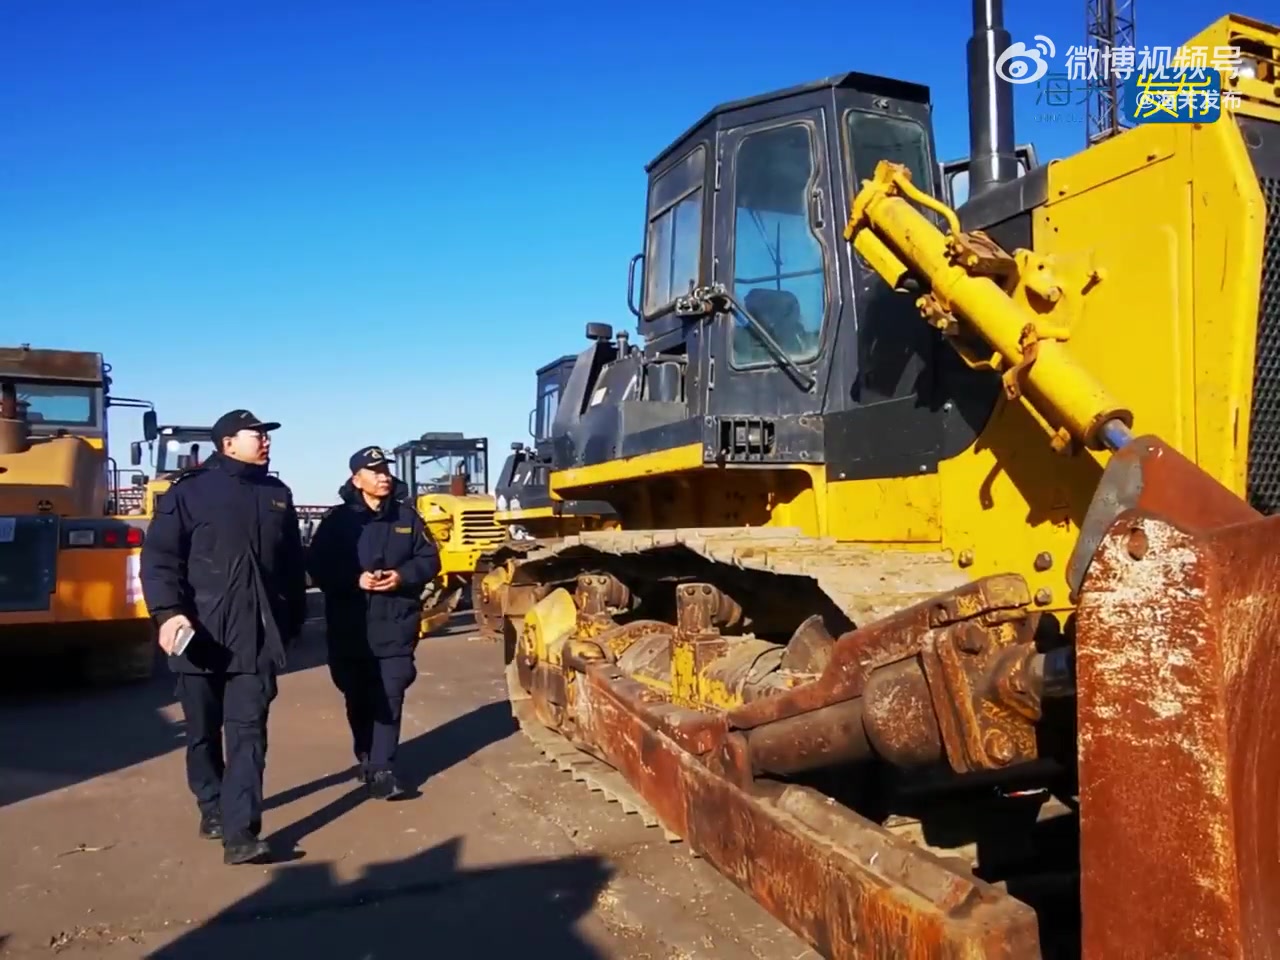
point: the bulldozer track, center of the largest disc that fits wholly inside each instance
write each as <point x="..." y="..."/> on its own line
<point x="866" y="583"/>
<point x="597" y="775"/>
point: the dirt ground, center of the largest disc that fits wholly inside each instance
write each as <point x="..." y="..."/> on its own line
<point x="494" y="850"/>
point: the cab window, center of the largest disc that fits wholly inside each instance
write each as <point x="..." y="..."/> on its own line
<point x="548" y="401"/>
<point x="779" y="264"/>
<point x="874" y="137"/>
<point x="59" y="404"/>
<point x="673" y="248"/>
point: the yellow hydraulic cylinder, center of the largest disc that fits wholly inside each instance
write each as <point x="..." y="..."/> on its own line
<point x="898" y="241"/>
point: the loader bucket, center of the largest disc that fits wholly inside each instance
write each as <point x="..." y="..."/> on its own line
<point x="1178" y="711"/>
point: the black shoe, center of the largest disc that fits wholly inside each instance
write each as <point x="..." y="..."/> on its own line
<point x="383" y="786"/>
<point x="362" y="772"/>
<point x="211" y="826"/>
<point x="244" y="850"/>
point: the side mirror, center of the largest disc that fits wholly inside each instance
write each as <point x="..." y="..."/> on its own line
<point x="517" y="445"/>
<point x="135" y="454"/>
<point x="150" y="426"/>
<point x="599" y="331"/>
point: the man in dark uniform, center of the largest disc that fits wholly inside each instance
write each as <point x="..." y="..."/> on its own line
<point x="372" y="557"/>
<point x="223" y="564"/>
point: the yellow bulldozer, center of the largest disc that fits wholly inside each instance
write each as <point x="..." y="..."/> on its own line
<point x="943" y="616"/>
<point x="69" y="561"/>
<point x="523" y="502"/>
<point x="447" y="475"/>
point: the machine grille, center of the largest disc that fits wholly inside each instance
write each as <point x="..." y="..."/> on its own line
<point x="1264" y="429"/>
<point x="28" y="564"/>
<point x="478" y="528"/>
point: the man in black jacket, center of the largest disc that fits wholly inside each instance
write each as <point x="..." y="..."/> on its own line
<point x="372" y="557"/>
<point x="223" y="577"/>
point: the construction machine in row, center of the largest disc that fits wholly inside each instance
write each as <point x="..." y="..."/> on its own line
<point x="69" y="561"/>
<point x="180" y="448"/>
<point x="523" y="502"/>
<point x="943" y="614"/>
<point x="447" y="475"/>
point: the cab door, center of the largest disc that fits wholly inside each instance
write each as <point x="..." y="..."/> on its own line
<point x="775" y="242"/>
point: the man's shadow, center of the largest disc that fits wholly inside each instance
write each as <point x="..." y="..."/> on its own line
<point x="426" y="899"/>
<point x="420" y="759"/>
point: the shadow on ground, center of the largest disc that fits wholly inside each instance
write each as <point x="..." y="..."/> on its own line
<point x="55" y="733"/>
<point x="424" y="905"/>
<point x="50" y="739"/>
<point x="419" y="760"/>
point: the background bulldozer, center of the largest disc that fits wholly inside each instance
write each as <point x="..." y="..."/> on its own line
<point x="523" y="504"/>
<point x="942" y="618"/>
<point x="448" y="479"/>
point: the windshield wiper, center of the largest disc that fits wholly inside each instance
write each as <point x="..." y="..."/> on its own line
<point x="705" y="301"/>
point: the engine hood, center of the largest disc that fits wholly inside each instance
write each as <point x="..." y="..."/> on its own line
<point x="63" y="475"/>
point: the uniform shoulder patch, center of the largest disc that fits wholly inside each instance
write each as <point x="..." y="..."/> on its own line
<point x="166" y="501"/>
<point x="182" y="475"/>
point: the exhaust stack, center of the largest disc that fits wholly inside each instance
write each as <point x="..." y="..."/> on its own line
<point x="992" y="160"/>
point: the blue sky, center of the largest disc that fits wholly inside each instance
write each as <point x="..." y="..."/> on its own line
<point x="372" y="219"/>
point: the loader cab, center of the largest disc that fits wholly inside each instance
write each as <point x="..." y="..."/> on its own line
<point x="444" y="463"/>
<point x="58" y="393"/>
<point x="182" y="448"/>
<point x="766" y="339"/>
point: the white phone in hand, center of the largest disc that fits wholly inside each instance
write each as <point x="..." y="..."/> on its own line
<point x="183" y="638"/>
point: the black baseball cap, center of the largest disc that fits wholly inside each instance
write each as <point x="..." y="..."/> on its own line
<point x="231" y="423"/>
<point x="368" y="458"/>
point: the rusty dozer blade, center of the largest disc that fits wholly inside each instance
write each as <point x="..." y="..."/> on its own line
<point x="1178" y="706"/>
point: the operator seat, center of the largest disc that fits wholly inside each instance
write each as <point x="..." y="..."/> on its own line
<point x="779" y="312"/>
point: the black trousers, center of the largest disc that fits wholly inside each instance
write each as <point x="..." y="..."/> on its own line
<point x="374" y="689"/>
<point x="235" y="705"/>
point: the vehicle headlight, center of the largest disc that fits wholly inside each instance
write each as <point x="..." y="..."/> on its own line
<point x="502" y="502"/>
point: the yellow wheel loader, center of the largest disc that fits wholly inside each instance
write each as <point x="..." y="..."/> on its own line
<point x="180" y="448"/>
<point x="448" y="478"/>
<point x="70" y="586"/>
<point x="943" y="616"/>
<point x="523" y="502"/>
